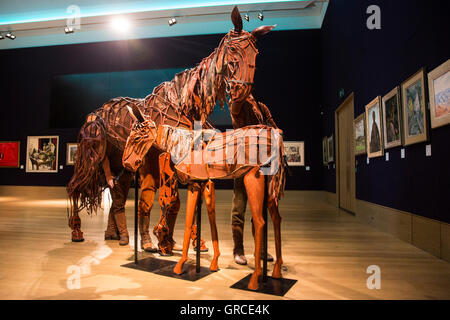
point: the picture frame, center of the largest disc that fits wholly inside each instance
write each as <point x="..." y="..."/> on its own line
<point x="330" y="149"/>
<point x="9" y="154"/>
<point x="295" y="152"/>
<point x="439" y="93"/>
<point x="325" y="151"/>
<point x="414" y="109"/>
<point x="374" y="128"/>
<point x="42" y="154"/>
<point x="359" y="134"/>
<point x="392" y="119"/>
<point x="71" y="149"/>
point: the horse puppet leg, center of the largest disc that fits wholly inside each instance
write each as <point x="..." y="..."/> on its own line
<point x="276" y="219"/>
<point x="210" y="200"/>
<point x="192" y="196"/>
<point x="75" y="222"/>
<point x="254" y="185"/>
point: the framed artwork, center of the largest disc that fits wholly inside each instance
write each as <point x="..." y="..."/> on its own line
<point x="414" y="111"/>
<point x="42" y="154"/>
<point x="392" y="111"/>
<point x="330" y="148"/>
<point x="439" y="93"/>
<point x="359" y="128"/>
<point x="295" y="152"/>
<point x="325" y="151"/>
<point x="9" y="154"/>
<point x="373" y="128"/>
<point x="71" y="155"/>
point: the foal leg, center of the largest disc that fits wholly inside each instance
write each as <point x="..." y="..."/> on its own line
<point x="148" y="190"/>
<point x="210" y="200"/>
<point x="192" y="196"/>
<point x="276" y="219"/>
<point x="254" y="185"/>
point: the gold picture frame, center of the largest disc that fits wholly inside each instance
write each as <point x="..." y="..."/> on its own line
<point x="414" y="109"/>
<point x="330" y="149"/>
<point x="71" y="149"/>
<point x="392" y="119"/>
<point x="294" y="152"/>
<point x="42" y="154"/>
<point x="439" y="93"/>
<point x="374" y="125"/>
<point x="359" y="124"/>
<point x="325" y="151"/>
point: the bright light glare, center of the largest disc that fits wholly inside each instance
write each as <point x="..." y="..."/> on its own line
<point x="120" y="24"/>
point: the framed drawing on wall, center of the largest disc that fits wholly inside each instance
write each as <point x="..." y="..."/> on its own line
<point x="414" y="110"/>
<point x="359" y="128"/>
<point x="325" y="151"/>
<point x="439" y="92"/>
<point x="373" y="128"/>
<point x="330" y="148"/>
<point x="295" y="152"/>
<point x="71" y="154"/>
<point x="9" y="154"/>
<point x="392" y="119"/>
<point x="42" y="154"/>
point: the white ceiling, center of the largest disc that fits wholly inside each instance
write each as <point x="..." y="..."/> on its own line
<point x="41" y="23"/>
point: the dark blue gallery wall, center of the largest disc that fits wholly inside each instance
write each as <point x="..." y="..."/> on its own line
<point x="413" y="34"/>
<point x="287" y="80"/>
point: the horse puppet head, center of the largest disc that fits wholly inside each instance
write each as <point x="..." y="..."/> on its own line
<point x="230" y="70"/>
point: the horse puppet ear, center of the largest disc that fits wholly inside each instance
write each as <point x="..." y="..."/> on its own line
<point x="236" y="19"/>
<point x="260" y="31"/>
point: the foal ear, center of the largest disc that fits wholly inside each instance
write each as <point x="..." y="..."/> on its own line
<point x="136" y="113"/>
<point x="236" y="19"/>
<point x="131" y="112"/>
<point x="260" y="31"/>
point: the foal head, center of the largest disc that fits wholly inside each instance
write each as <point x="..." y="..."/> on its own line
<point x="141" y="138"/>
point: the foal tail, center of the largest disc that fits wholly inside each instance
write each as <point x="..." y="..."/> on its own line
<point x="85" y="187"/>
<point x="277" y="182"/>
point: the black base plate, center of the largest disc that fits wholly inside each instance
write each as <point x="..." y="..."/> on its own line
<point x="165" y="268"/>
<point x="277" y="287"/>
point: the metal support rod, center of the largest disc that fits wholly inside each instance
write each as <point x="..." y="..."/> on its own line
<point x="264" y="257"/>
<point x="199" y="231"/>
<point x="136" y="194"/>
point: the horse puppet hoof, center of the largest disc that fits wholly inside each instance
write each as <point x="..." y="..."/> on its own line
<point x="165" y="253"/>
<point x="77" y="236"/>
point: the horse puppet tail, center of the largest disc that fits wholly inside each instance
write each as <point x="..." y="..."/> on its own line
<point x="85" y="187"/>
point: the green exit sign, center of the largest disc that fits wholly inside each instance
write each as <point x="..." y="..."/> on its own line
<point x="341" y="93"/>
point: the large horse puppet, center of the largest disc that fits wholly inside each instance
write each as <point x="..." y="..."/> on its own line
<point x="226" y="74"/>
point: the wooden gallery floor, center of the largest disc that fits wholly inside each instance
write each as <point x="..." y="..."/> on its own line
<point x="326" y="250"/>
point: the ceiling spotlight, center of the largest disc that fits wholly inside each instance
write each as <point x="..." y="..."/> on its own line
<point x="246" y="17"/>
<point x="260" y="16"/>
<point x="68" y="30"/>
<point x="172" y="21"/>
<point x="120" y="24"/>
<point x="10" y="35"/>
